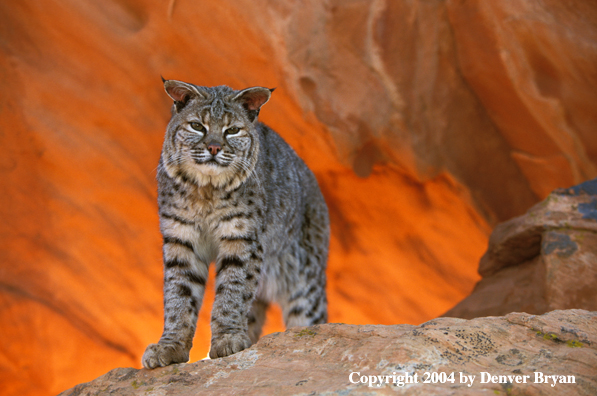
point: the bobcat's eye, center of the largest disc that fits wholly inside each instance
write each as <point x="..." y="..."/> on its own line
<point x="197" y="126"/>
<point x="231" y="131"/>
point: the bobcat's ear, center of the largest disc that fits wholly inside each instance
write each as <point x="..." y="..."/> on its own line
<point x="181" y="92"/>
<point x="253" y="98"/>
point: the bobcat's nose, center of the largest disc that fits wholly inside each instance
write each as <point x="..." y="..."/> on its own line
<point x="214" y="148"/>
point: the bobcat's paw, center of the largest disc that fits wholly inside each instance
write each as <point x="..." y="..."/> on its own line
<point x="227" y="344"/>
<point x="160" y="355"/>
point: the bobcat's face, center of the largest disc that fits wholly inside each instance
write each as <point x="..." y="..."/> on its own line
<point x="211" y="138"/>
<point x="214" y="139"/>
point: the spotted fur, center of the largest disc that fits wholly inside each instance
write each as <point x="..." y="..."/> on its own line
<point x="232" y="192"/>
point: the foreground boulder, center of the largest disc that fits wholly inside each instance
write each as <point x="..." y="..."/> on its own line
<point x="541" y="261"/>
<point x="339" y="358"/>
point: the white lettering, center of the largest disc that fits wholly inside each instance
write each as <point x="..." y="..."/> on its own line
<point x="538" y="377"/>
<point x="400" y="380"/>
<point x="380" y="378"/>
<point x="571" y="379"/>
<point x="485" y="377"/>
<point x="464" y="379"/>
<point x="350" y="377"/>
<point x="372" y="380"/>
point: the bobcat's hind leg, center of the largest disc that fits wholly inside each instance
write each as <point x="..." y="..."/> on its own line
<point x="257" y="319"/>
<point x="306" y="307"/>
<point x="306" y="304"/>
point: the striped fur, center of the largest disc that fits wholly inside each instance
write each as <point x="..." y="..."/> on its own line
<point x="253" y="208"/>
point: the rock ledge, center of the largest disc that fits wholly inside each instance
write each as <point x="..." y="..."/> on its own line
<point x="320" y="359"/>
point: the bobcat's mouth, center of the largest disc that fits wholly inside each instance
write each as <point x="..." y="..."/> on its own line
<point x="210" y="161"/>
<point x="211" y="166"/>
<point x="207" y="161"/>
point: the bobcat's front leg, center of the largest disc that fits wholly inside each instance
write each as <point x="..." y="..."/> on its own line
<point x="184" y="285"/>
<point x="238" y="271"/>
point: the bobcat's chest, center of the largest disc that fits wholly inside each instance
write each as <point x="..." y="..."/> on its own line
<point x="219" y="214"/>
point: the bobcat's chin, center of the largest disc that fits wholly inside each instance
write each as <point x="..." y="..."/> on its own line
<point x="212" y="174"/>
<point x="211" y="168"/>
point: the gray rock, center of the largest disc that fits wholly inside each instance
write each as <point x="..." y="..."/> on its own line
<point x="541" y="261"/>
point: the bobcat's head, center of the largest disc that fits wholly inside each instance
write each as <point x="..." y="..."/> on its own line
<point x="212" y="136"/>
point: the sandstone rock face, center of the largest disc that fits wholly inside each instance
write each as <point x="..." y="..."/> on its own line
<point x="321" y="359"/>
<point x="544" y="260"/>
<point x="519" y="57"/>
<point x="425" y="123"/>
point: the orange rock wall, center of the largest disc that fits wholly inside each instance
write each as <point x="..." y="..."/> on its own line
<point x="425" y="122"/>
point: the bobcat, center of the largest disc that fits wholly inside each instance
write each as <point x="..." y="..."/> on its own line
<point x="233" y="192"/>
